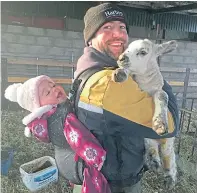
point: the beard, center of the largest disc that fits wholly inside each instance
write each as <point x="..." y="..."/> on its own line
<point x="113" y="54"/>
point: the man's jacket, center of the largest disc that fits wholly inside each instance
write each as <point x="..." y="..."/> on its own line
<point x="120" y="116"/>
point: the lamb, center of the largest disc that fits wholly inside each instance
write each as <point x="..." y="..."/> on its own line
<point x="140" y="61"/>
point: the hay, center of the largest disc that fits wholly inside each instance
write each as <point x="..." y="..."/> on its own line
<point x="27" y="149"/>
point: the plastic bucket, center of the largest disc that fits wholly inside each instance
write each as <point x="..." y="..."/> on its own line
<point x="39" y="173"/>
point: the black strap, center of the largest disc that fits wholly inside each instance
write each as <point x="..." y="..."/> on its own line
<point x="79" y="84"/>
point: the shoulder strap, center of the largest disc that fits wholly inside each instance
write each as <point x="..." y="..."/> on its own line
<point x="79" y="84"/>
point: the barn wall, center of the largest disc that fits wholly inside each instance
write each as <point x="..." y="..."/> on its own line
<point x="63" y="44"/>
<point x="67" y="45"/>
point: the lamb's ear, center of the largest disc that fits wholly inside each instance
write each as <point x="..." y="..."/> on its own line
<point x="166" y="47"/>
<point x="148" y="42"/>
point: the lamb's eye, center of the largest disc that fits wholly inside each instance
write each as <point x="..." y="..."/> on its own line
<point x="142" y="53"/>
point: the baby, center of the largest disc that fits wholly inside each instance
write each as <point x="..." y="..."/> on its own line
<point x="51" y="120"/>
<point x="35" y="92"/>
<point x="38" y="95"/>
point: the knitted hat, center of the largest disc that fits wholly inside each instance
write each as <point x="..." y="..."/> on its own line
<point x="99" y="15"/>
<point x="26" y="94"/>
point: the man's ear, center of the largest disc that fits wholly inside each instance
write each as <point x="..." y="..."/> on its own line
<point x="166" y="47"/>
<point x="90" y="43"/>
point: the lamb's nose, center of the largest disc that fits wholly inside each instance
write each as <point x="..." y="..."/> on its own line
<point x="122" y="58"/>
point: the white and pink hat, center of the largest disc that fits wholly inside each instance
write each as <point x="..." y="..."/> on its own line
<point x="26" y="94"/>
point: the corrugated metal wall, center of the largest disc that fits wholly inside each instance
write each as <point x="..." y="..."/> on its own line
<point x="179" y="22"/>
<point x="137" y="18"/>
<point x="76" y="10"/>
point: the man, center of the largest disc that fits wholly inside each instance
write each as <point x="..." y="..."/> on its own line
<point x="118" y="114"/>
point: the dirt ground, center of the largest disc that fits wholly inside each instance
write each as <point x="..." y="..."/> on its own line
<point x="27" y="149"/>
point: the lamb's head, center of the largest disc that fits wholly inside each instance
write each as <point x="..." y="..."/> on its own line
<point x="139" y="55"/>
<point x="136" y="57"/>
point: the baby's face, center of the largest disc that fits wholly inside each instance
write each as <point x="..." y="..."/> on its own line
<point x="50" y="94"/>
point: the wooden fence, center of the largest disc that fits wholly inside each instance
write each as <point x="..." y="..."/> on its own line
<point x="15" y="70"/>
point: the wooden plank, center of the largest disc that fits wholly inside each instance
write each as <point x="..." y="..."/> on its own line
<point x="23" y="79"/>
<point x="176" y="83"/>
<point x="39" y="62"/>
<point x="169" y="69"/>
<point x="191" y="98"/>
<point x="52" y="62"/>
<point x="69" y="81"/>
<point x="188" y="111"/>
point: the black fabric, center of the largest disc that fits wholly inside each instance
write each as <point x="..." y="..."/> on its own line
<point x="56" y="121"/>
<point x="172" y="105"/>
<point x="122" y="148"/>
<point x="64" y="155"/>
<point x="93" y="58"/>
<point x="68" y="168"/>
<point x="56" y="125"/>
<point x="99" y="15"/>
<point x="125" y="154"/>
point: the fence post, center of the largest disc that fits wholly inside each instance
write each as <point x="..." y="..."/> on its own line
<point x="194" y="140"/>
<point x="190" y="115"/>
<point x="4" y="83"/>
<point x="186" y="82"/>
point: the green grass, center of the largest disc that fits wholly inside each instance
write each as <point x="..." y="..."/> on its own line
<point x="27" y="149"/>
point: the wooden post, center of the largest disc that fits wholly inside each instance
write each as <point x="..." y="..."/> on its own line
<point x="194" y="140"/>
<point x="189" y="119"/>
<point x="73" y="67"/>
<point x="4" y="83"/>
<point x="186" y="82"/>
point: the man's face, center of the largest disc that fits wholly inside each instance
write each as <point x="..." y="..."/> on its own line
<point x="50" y="94"/>
<point x="111" y="39"/>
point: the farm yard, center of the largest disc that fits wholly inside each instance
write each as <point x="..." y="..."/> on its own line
<point x="27" y="149"/>
<point x="47" y="38"/>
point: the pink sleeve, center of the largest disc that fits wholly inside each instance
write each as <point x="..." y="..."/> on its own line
<point x="83" y="142"/>
<point x="39" y="129"/>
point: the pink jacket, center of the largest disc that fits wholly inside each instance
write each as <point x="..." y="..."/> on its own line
<point x="83" y="143"/>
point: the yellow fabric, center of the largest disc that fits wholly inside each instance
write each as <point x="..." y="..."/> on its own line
<point x="94" y="90"/>
<point x="124" y="99"/>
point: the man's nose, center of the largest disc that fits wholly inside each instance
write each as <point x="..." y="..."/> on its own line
<point x="117" y="32"/>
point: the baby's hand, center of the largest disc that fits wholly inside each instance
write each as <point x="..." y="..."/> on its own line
<point x="38" y="127"/>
